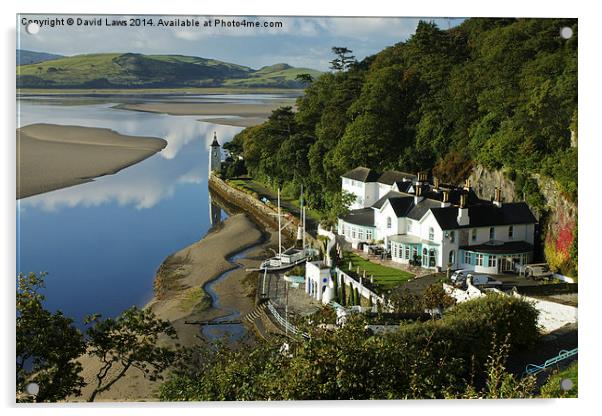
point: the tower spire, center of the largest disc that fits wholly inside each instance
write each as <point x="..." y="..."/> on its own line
<point x="215" y="142"/>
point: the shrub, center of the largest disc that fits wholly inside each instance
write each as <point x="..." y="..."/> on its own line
<point x="433" y="359"/>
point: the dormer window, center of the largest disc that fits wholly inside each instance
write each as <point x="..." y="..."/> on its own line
<point x="388" y="222"/>
<point x="474" y="234"/>
<point x="431" y="233"/>
<point x="492" y="233"/>
<point x="452" y="236"/>
<point x="510" y="231"/>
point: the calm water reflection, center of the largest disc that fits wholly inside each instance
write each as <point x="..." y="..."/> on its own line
<point x="101" y="242"/>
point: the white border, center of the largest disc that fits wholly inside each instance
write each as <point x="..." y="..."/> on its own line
<point x="590" y="200"/>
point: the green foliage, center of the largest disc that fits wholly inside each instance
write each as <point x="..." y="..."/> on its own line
<point x="129" y="341"/>
<point x="496" y="92"/>
<point x="47" y="345"/>
<point x="433" y="359"/>
<point x="500" y="384"/>
<point x="552" y="387"/>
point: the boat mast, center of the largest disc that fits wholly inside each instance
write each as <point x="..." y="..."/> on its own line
<point x="279" y="228"/>
<point x="302" y="215"/>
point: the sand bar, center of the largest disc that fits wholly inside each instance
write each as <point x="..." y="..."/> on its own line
<point x="236" y="121"/>
<point x="208" y="109"/>
<point x="196" y="265"/>
<point x="51" y="156"/>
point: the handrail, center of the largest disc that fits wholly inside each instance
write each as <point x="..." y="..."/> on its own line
<point x="533" y="369"/>
<point x="286" y="324"/>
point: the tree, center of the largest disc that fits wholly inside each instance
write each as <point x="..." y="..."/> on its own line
<point x="343" y="60"/>
<point x="129" y="341"/>
<point x="338" y="205"/>
<point x="47" y="345"/>
<point x="304" y="78"/>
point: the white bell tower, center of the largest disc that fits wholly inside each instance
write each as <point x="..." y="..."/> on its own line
<point x="215" y="155"/>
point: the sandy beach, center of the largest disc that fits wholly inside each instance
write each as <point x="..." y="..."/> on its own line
<point x="52" y="156"/>
<point x="246" y="115"/>
<point x="191" y="268"/>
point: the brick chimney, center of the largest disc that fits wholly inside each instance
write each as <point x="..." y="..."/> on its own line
<point x="418" y="195"/>
<point x="467" y="185"/>
<point x="445" y="199"/>
<point x="497" y="199"/>
<point x="463" y="211"/>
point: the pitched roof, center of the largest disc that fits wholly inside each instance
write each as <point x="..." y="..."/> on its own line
<point x="418" y="211"/>
<point x="389" y="177"/>
<point x="391" y="194"/>
<point x="363" y="217"/>
<point x="403" y="186"/>
<point x="485" y="214"/>
<point x="361" y="174"/>
<point x="402" y="205"/>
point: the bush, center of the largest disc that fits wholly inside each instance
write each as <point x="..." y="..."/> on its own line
<point x="433" y="359"/>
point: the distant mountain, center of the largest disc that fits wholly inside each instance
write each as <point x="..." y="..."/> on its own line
<point x="131" y="70"/>
<point x="25" y="57"/>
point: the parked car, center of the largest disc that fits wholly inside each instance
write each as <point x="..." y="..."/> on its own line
<point x="459" y="275"/>
<point x="483" y="280"/>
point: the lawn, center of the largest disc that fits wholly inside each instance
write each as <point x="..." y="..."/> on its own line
<point x="385" y="277"/>
<point x="552" y="388"/>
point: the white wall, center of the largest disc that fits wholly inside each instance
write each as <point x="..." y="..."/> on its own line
<point x="366" y="193"/>
<point x="314" y="279"/>
<point x="380" y="221"/>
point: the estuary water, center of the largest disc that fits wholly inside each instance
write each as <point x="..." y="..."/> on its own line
<point x="101" y="242"/>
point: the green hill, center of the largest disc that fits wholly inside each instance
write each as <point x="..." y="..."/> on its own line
<point x="25" y="57"/>
<point x="131" y="70"/>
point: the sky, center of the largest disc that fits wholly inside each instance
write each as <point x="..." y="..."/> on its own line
<point x="300" y="41"/>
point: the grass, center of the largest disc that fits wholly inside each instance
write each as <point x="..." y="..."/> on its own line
<point x="552" y="387"/>
<point x="195" y="299"/>
<point x="385" y="277"/>
<point x="114" y="70"/>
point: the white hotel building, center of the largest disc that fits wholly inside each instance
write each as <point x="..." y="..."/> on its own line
<point x="439" y="225"/>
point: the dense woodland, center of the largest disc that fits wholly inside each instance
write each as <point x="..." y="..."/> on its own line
<point x="497" y="92"/>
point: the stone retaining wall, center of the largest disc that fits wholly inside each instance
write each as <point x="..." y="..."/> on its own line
<point x="263" y="213"/>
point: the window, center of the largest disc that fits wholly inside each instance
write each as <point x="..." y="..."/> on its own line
<point x="467" y="259"/>
<point x="407" y="252"/>
<point x="388" y="222"/>
<point x="492" y="233"/>
<point x="360" y="233"/>
<point x="510" y="232"/>
<point x="368" y="234"/>
<point x="431" y="233"/>
<point x="474" y="234"/>
<point x="479" y="260"/>
<point x="424" y="257"/>
<point x="353" y="233"/>
<point x="409" y="225"/>
<point x="452" y="257"/>
<point x="414" y="253"/>
<point x="492" y="261"/>
<point x="452" y="236"/>
<point x="432" y="258"/>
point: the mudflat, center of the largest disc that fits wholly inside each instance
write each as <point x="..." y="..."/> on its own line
<point x="51" y="156"/>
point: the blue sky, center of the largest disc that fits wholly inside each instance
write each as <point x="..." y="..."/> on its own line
<point x="301" y="41"/>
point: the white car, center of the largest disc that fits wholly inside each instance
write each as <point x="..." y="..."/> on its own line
<point x="459" y="276"/>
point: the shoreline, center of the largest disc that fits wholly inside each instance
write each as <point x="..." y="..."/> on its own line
<point x="194" y="266"/>
<point x="52" y="156"/>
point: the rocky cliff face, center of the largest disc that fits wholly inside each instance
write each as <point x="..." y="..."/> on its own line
<point x="484" y="182"/>
<point x="557" y="216"/>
